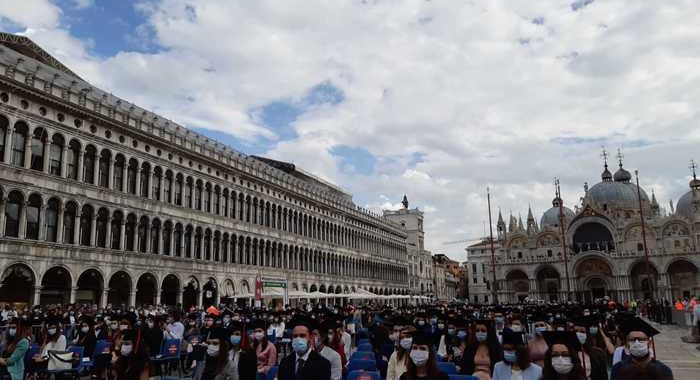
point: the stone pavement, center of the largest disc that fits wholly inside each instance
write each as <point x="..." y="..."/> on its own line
<point x="683" y="358"/>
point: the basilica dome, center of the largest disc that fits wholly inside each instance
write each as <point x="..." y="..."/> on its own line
<point x="618" y="192"/>
<point x="550" y="218"/>
<point x="685" y="207"/>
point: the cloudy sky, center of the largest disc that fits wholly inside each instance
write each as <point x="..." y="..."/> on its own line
<point x="435" y="99"/>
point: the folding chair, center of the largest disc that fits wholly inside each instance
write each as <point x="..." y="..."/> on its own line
<point x="169" y="352"/>
<point x="367" y="365"/>
<point x="447" y="367"/>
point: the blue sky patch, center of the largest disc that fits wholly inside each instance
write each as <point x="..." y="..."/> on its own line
<point x="357" y="160"/>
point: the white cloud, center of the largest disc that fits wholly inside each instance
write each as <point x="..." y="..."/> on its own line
<point x="482" y="91"/>
<point x="83" y="4"/>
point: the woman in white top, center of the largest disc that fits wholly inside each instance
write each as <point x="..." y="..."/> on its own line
<point x="53" y="341"/>
<point x="399" y="358"/>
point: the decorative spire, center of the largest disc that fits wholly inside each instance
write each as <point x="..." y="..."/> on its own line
<point x="521" y="228"/>
<point x="531" y="223"/>
<point x="404" y="202"/>
<point x="694" y="183"/>
<point x="670" y="203"/>
<point x="621" y="175"/>
<point x="606" y="176"/>
<point x="655" y="209"/>
<point x="619" y="157"/>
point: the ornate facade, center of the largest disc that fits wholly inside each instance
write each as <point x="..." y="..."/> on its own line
<point x="106" y="202"/>
<point x="605" y="248"/>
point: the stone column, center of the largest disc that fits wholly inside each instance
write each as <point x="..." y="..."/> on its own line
<point x="73" y="294"/>
<point x="2" y="214"/>
<point x="76" y="229"/>
<point x="80" y="174"/>
<point x="122" y="233"/>
<point x="42" y="221"/>
<point x="47" y="153"/>
<point x="161" y="191"/>
<point x="192" y="253"/>
<point x="64" y="161"/>
<point x="23" y="220"/>
<point x="124" y="179"/>
<point x="8" y="144"/>
<point x="96" y="170"/>
<point x="108" y="234"/>
<point x="158" y="294"/>
<point x="200" y="298"/>
<point x="37" y="295"/>
<point x="104" y="298"/>
<point x="110" y="170"/>
<point x="148" y="238"/>
<point x="93" y="229"/>
<point x="59" y="223"/>
<point x="138" y="181"/>
<point x="211" y="247"/>
<point x="179" y="296"/>
<point x="28" y="150"/>
<point x="132" y="297"/>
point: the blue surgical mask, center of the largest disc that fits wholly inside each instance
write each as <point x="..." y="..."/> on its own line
<point x="12" y="331"/>
<point x="593" y="330"/>
<point x="235" y="339"/>
<point x="509" y="356"/>
<point x="540" y="329"/>
<point x="300" y="345"/>
<point x="451" y="331"/>
<point x="461" y="334"/>
<point x="481" y="336"/>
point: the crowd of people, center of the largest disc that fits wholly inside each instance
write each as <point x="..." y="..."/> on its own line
<point x="566" y="341"/>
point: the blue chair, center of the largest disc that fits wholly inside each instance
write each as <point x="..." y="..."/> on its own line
<point x="362" y="355"/>
<point x="367" y="365"/>
<point x="363" y="341"/>
<point x="363" y="375"/>
<point x="29" y="364"/>
<point x="103" y="349"/>
<point x="272" y="373"/>
<point x="462" y="377"/>
<point x="169" y="353"/>
<point x="365" y="347"/>
<point x="447" y="367"/>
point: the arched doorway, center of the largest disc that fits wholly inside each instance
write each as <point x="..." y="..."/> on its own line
<point x="55" y="286"/>
<point x="518" y="285"/>
<point x="593" y="276"/>
<point x="190" y="293"/>
<point x="17" y="285"/>
<point x="593" y="236"/>
<point x="548" y="283"/>
<point x="210" y="293"/>
<point x="146" y="290"/>
<point x="683" y="276"/>
<point x="644" y="280"/>
<point x="119" y="289"/>
<point x="228" y="292"/>
<point x="169" y="290"/>
<point x="90" y="285"/>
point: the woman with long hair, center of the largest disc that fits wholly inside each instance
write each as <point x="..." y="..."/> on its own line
<point x="241" y="358"/>
<point x="399" y="358"/>
<point x="561" y="361"/>
<point x="423" y="361"/>
<point x="482" y="351"/>
<point x="516" y="359"/>
<point x="265" y="351"/>
<point x="52" y="341"/>
<point x="537" y="346"/>
<point x="593" y="359"/>
<point x="17" y="344"/>
<point x="131" y="357"/>
<point x="86" y="336"/>
<point x="217" y="358"/>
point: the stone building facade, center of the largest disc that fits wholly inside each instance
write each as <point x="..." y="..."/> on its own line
<point x="605" y="248"/>
<point x="105" y="202"/>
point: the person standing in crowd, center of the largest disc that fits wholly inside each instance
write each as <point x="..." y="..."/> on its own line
<point x="174" y="328"/>
<point x="399" y="358"/>
<point x="242" y="363"/>
<point x="17" y="344"/>
<point x="216" y="360"/>
<point x="640" y="363"/>
<point x="516" y="359"/>
<point x="537" y="346"/>
<point x="321" y="338"/>
<point x="561" y="360"/>
<point x="304" y="363"/>
<point x="52" y="342"/>
<point x="264" y="350"/>
<point x="593" y="358"/>
<point x="86" y="337"/>
<point x="483" y="350"/>
<point x="423" y="361"/>
<point x="131" y="361"/>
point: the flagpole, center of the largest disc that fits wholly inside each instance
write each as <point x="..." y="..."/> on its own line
<point x="493" y="251"/>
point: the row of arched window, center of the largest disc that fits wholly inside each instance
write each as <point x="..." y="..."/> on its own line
<point x="90" y="226"/>
<point x="56" y="155"/>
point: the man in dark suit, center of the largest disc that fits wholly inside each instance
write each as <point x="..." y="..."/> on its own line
<point x="305" y="363"/>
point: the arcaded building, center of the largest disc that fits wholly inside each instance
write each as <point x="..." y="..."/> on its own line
<point x="107" y="202"/>
<point x="605" y="248"/>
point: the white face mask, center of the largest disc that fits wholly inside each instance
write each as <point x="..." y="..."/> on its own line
<point x="516" y="328"/>
<point x="562" y="365"/>
<point x="419" y="357"/>
<point x="259" y="336"/>
<point x="212" y="350"/>
<point x="84" y="329"/>
<point x="639" y="349"/>
<point x="581" y="337"/>
<point x="126" y="349"/>
<point x="406" y="343"/>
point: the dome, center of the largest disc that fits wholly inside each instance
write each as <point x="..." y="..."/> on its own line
<point x="616" y="195"/>
<point x="684" y="207"/>
<point x="550" y="218"/>
<point x="622" y="175"/>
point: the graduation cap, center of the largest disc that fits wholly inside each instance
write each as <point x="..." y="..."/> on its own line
<point x="638" y="324"/>
<point x="567" y="338"/>
<point x="512" y="337"/>
<point x="302" y="320"/>
<point x="218" y="333"/>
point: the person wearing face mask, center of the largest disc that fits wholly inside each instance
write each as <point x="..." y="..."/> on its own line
<point x="482" y="352"/>
<point x="422" y="363"/>
<point x="130" y="361"/>
<point x="536" y="345"/>
<point x="216" y="361"/>
<point x="242" y="363"/>
<point x="399" y="358"/>
<point x="641" y="363"/>
<point x="593" y="359"/>
<point x="152" y="335"/>
<point x="561" y="360"/>
<point x="449" y="342"/>
<point x="304" y="363"/>
<point x="516" y="359"/>
<point x="86" y="336"/>
<point x="265" y="351"/>
<point x="16" y="346"/>
<point x="53" y="340"/>
<point x="321" y="341"/>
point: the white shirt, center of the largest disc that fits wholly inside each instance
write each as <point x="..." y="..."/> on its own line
<point x="175" y="330"/>
<point x="336" y="364"/>
<point x="347" y="343"/>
